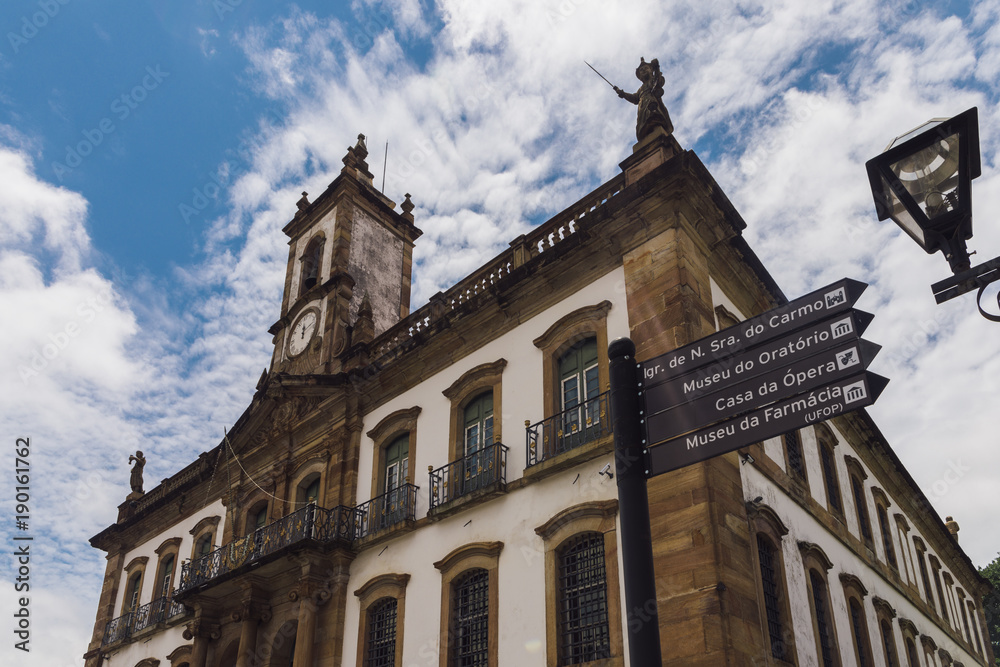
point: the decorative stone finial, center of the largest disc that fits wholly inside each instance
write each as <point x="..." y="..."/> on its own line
<point x="354" y="161"/>
<point x="407" y="207"/>
<point x="649" y="98"/>
<point x="303" y="203"/>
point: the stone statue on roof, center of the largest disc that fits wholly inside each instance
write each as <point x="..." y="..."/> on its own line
<point x="136" y="478"/>
<point x="649" y="98"/>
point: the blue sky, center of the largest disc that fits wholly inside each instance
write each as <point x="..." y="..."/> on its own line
<point x="150" y="153"/>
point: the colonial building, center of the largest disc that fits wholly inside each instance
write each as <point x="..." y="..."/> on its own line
<point x="436" y="487"/>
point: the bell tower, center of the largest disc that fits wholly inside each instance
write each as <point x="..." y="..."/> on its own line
<point x="349" y="246"/>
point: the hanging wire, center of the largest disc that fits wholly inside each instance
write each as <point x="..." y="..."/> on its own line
<point x="237" y="459"/>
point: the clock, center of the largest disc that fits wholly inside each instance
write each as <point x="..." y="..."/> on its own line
<point x="302" y="332"/>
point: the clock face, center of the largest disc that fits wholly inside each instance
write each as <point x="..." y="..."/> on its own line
<point x="302" y="333"/>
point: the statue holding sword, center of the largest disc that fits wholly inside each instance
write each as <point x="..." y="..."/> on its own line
<point x="649" y="98"/>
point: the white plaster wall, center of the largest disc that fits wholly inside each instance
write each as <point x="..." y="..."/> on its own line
<point x="511" y="519"/>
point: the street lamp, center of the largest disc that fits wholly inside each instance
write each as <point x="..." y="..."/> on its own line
<point x="923" y="181"/>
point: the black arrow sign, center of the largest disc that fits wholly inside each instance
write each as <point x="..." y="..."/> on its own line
<point x="758" y="360"/>
<point x="801" y="410"/>
<point x="805" y="375"/>
<point x="796" y="314"/>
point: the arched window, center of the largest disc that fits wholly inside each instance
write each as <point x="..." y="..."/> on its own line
<point x="859" y="629"/>
<point x="311" y="494"/>
<point x="256" y="517"/>
<point x="773" y="588"/>
<point x="396" y="468"/>
<point x="380" y="644"/>
<point x="469" y="625"/>
<point x="823" y="618"/>
<point x="132" y="592"/>
<point x="857" y="474"/>
<point x="583" y="601"/>
<point x="921" y="549"/>
<point x="855" y="592"/>
<point x="383" y="605"/>
<point x="774" y="603"/>
<point x="817" y="564"/>
<point x="478" y="435"/>
<point x="394" y="506"/>
<point x="826" y="442"/>
<point x="911" y="654"/>
<point x="579" y="386"/>
<point x="887" y="544"/>
<point x="164" y="581"/>
<point x="204" y="545"/>
<point x="575" y="379"/>
<point x="311" y="259"/>
<point x="888" y="644"/>
<point x="203" y="535"/>
<point x="942" y="605"/>
<point x="470" y="619"/>
<point x="794" y="457"/>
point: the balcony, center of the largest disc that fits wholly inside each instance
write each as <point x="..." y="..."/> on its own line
<point x="159" y="610"/>
<point x="480" y="474"/>
<point x="387" y="513"/>
<point x="571" y="429"/>
<point x="311" y="524"/>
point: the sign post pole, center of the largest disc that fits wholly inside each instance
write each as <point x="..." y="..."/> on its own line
<point x="633" y="507"/>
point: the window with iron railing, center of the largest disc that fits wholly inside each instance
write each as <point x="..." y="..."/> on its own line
<point x="572" y="428"/>
<point x="483" y="469"/>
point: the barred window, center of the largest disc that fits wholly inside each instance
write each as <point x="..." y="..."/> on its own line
<point x="889" y="644"/>
<point x="858" y="487"/>
<point x="860" y="632"/>
<point x="820" y="605"/>
<point x="583" y="601"/>
<point x="772" y="593"/>
<point x="796" y="462"/>
<point x="381" y="641"/>
<point x="890" y="552"/>
<point x="830" y="476"/>
<point x="923" y="572"/>
<point x="470" y="619"/>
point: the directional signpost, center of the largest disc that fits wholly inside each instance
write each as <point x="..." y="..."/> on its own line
<point x="792" y="366"/>
<point x="731" y="384"/>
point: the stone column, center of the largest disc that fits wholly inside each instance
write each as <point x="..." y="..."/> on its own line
<point x="253" y="610"/>
<point x="310" y="593"/>
<point x="202" y="631"/>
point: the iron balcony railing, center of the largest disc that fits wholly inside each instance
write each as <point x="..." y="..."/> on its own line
<point x="387" y="510"/>
<point x="149" y="614"/>
<point x="479" y="470"/>
<point x="309" y="523"/>
<point x="571" y="428"/>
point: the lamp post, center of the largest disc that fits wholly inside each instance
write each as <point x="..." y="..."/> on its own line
<point x="923" y="181"/>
